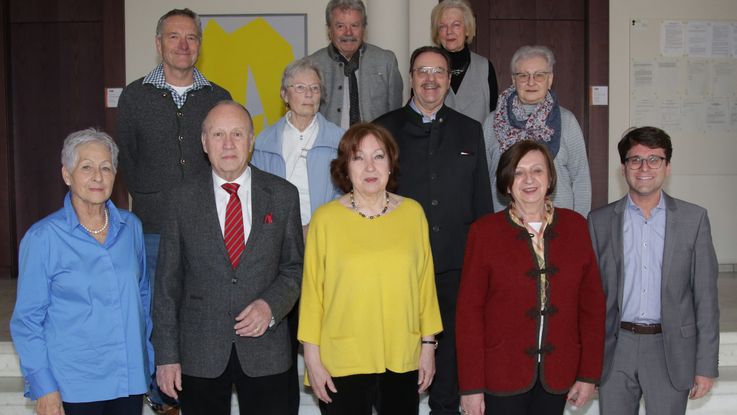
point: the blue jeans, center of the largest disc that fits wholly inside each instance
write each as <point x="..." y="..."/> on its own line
<point x="151" y="242"/>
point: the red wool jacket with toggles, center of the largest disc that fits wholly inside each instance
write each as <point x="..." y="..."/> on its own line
<point x="498" y="317"/>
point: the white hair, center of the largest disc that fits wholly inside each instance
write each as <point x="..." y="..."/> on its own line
<point x="69" y="154"/>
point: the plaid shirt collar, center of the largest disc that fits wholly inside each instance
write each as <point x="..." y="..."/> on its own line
<point x="158" y="80"/>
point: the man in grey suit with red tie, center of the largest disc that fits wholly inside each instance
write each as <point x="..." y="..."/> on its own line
<point x="229" y="271"/>
<point x="659" y="272"/>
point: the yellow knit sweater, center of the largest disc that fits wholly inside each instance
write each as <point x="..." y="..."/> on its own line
<point x="368" y="289"/>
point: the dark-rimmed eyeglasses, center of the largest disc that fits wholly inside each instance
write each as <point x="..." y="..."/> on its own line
<point x="635" y="162"/>
<point x="302" y="88"/>
<point x="525" y="76"/>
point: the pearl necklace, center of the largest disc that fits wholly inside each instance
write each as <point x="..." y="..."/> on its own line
<point x="97" y="231"/>
<point x="383" y="211"/>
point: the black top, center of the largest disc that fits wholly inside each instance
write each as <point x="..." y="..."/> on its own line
<point x="443" y="167"/>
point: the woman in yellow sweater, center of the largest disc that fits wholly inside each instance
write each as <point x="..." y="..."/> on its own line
<point x="369" y="311"/>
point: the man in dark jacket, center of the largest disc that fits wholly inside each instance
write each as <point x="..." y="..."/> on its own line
<point x="443" y="167"/>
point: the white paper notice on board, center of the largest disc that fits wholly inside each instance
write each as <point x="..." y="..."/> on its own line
<point x="721" y="40"/>
<point x="642" y="74"/>
<point x="694" y="115"/>
<point x="698" y="39"/>
<point x="667" y="81"/>
<point x="671" y="110"/>
<point x="671" y="38"/>
<point x="599" y="95"/>
<point x="643" y="111"/>
<point x="697" y="80"/>
<point x="112" y="95"/>
<point x="717" y="115"/>
<point x="724" y="77"/>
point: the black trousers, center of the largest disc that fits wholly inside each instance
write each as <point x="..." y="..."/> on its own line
<point x="263" y="395"/>
<point x="129" y="405"/>
<point x="444" y="397"/>
<point x="358" y="394"/>
<point x="536" y="401"/>
<point x="293" y="375"/>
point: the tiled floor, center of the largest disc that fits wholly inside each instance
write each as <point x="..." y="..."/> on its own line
<point x="727" y="303"/>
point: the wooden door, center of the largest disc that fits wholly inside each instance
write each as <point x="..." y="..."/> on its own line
<point x="63" y="53"/>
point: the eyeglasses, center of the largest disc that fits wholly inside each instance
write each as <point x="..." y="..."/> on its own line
<point x="427" y="70"/>
<point x="525" y="76"/>
<point x="302" y="88"/>
<point x="635" y="162"/>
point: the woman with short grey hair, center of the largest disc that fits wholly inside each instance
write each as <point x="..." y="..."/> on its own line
<point x="299" y="148"/>
<point x="69" y="153"/>
<point x="301" y="145"/>
<point x="529" y="110"/>
<point x="81" y="322"/>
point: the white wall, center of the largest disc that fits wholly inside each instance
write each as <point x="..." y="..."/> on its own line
<point x="399" y="25"/>
<point x="704" y="169"/>
<point x="693" y="176"/>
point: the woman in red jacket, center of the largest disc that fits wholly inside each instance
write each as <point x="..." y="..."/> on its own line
<point x="530" y="316"/>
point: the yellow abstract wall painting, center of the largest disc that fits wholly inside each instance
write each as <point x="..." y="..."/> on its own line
<point x="247" y="54"/>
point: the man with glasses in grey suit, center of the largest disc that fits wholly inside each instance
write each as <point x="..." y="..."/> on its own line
<point x="659" y="273"/>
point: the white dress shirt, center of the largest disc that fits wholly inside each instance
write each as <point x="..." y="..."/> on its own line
<point x="244" y="194"/>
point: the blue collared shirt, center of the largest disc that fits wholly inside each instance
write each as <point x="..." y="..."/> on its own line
<point x="425" y="118"/>
<point x="81" y="322"/>
<point x="157" y="79"/>
<point x="644" y="241"/>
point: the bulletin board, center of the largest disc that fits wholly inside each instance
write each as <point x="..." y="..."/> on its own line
<point x="683" y="79"/>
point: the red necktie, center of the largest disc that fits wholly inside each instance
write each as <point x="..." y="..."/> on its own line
<point x="235" y="240"/>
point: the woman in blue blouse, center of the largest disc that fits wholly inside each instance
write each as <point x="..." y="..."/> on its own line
<point x="81" y="321"/>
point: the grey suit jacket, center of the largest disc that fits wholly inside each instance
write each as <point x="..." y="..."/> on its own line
<point x="688" y="292"/>
<point x="379" y="83"/>
<point x="198" y="294"/>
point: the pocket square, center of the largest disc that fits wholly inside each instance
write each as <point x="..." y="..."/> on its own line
<point x="467" y="153"/>
<point x="269" y="218"/>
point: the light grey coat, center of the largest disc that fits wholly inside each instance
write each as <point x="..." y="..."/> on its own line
<point x="198" y="294"/>
<point x="688" y="292"/>
<point x="379" y="83"/>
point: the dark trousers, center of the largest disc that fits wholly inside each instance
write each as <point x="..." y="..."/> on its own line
<point x="358" y="394"/>
<point x="536" y="401"/>
<point x="444" y="398"/>
<point x="151" y="241"/>
<point x="293" y="392"/>
<point x="129" y="405"/>
<point x="256" y="395"/>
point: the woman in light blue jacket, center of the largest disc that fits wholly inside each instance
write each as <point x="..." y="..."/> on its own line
<point x="301" y="145"/>
<point x="299" y="148"/>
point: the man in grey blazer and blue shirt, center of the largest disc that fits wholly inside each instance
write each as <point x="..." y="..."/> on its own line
<point x="362" y="81"/>
<point x="659" y="272"/>
<point x="229" y="271"/>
